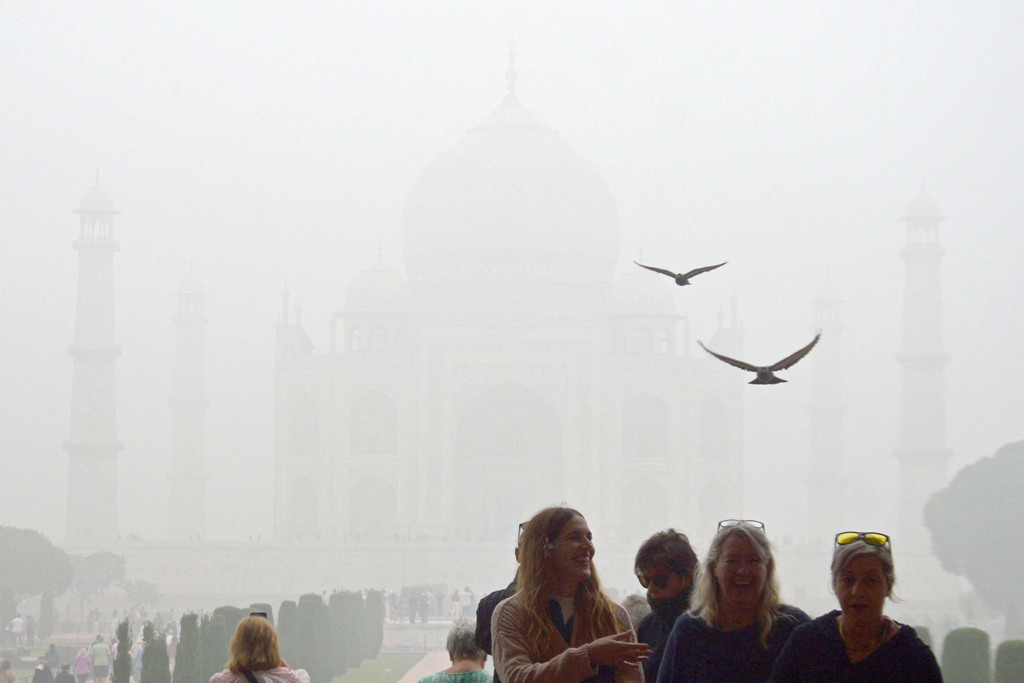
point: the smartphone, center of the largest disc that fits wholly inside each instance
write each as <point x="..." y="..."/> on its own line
<point x="258" y="614"/>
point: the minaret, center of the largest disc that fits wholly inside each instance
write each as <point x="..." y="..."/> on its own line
<point x="826" y="483"/>
<point x="93" y="445"/>
<point x="922" y="451"/>
<point x="186" y="510"/>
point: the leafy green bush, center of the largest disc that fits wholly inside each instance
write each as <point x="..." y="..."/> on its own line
<point x="122" y="669"/>
<point x="232" y="615"/>
<point x="288" y="632"/>
<point x="965" y="657"/>
<point x="1010" y="661"/>
<point x="213" y="636"/>
<point x="373" y="624"/>
<point x="315" y="631"/>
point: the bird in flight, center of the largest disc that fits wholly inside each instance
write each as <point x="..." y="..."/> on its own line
<point x="682" y="278"/>
<point x="766" y="373"/>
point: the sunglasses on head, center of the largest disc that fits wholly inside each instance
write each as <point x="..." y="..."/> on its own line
<point x="660" y="581"/>
<point x="729" y="523"/>
<point x="869" y="537"/>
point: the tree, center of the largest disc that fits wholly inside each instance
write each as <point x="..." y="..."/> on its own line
<point x="156" y="666"/>
<point x="314" y="628"/>
<point x="977" y="526"/>
<point x="213" y="635"/>
<point x="94" y="574"/>
<point x="31" y="565"/>
<point x="373" y="624"/>
<point x="122" y="670"/>
<point x="288" y="632"/>
<point x="141" y="592"/>
<point x="187" y="667"/>
<point x="232" y="615"/>
<point x="965" y="656"/>
<point x="1010" y="661"/>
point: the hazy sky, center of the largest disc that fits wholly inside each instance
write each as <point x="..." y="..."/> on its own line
<point x="276" y="142"/>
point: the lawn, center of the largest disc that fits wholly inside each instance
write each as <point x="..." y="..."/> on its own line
<point x="388" y="667"/>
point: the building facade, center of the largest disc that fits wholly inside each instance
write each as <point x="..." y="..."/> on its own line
<point x="505" y="370"/>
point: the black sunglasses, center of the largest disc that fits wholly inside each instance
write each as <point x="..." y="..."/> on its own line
<point x="660" y="581"/>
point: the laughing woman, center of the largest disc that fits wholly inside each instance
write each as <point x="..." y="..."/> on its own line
<point x="738" y="625"/>
<point x="560" y="627"/>
<point x="858" y="643"/>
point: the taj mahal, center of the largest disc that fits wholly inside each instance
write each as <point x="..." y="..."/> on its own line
<point x="505" y="345"/>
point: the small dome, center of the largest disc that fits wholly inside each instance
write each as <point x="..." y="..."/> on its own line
<point x="641" y="291"/>
<point x="923" y="206"/>
<point x="96" y="199"/>
<point x="378" y="289"/>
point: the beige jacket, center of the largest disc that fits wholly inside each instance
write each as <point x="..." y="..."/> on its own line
<point x="571" y="665"/>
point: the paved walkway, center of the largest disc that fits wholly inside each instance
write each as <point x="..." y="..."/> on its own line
<point x="432" y="662"/>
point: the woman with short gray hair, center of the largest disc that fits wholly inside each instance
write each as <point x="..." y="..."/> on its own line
<point x="467" y="659"/>
<point x="858" y="642"/>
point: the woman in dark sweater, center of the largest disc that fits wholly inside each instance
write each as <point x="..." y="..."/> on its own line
<point x="738" y="625"/>
<point x="858" y="643"/>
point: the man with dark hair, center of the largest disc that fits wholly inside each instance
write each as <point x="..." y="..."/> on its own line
<point x="64" y="675"/>
<point x="664" y="565"/>
<point x="485" y="608"/>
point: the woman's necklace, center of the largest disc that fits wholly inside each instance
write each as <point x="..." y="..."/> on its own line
<point x="861" y="645"/>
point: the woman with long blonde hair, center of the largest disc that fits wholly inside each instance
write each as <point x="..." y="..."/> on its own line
<point x="560" y="627"/>
<point x="738" y="624"/>
<point x="256" y="656"/>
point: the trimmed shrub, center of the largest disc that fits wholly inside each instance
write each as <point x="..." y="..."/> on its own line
<point x="187" y="668"/>
<point x="373" y="624"/>
<point x="288" y="633"/>
<point x="232" y="615"/>
<point x="925" y="635"/>
<point x="156" y="666"/>
<point x="44" y="627"/>
<point x="965" y="657"/>
<point x="213" y="636"/>
<point x="315" y="631"/>
<point x="1010" y="662"/>
<point x="121" y="672"/>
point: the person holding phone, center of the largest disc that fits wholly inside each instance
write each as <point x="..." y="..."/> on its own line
<point x="560" y="627"/>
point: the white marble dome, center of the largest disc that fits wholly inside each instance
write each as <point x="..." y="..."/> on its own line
<point x="96" y="199"/>
<point x="511" y="201"/>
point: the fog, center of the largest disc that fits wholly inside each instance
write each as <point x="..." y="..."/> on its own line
<point x="273" y="145"/>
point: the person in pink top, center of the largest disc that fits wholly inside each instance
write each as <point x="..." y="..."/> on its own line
<point x="82" y="664"/>
<point x="256" y="656"/>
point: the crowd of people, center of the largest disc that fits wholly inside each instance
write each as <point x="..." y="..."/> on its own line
<point x="718" y="621"/>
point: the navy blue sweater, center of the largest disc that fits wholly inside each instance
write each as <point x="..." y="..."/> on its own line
<point x="816" y="654"/>
<point x="699" y="653"/>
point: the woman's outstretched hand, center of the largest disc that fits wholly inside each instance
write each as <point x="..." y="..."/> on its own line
<point x="617" y="649"/>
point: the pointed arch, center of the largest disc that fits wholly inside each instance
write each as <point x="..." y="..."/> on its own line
<point x="509" y="454"/>
<point x="645" y="427"/>
<point x="373" y="426"/>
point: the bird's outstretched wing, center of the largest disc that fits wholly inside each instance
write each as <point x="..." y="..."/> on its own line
<point x="790" y="361"/>
<point x="657" y="270"/>
<point x="731" y="361"/>
<point x="698" y="271"/>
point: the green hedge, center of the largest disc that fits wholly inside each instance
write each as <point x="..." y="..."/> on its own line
<point x="965" y="657"/>
<point x="1010" y="662"/>
<point x="187" y="667"/>
<point x="373" y="624"/>
<point x="122" y="669"/>
<point x="214" y="639"/>
<point x="156" y="667"/>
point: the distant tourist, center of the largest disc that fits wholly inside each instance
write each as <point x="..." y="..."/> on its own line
<point x="52" y="658"/>
<point x="560" y="627"/>
<point x="17" y="627"/>
<point x="858" y="642"/>
<point x="82" y="664"/>
<point x="256" y="656"/>
<point x="738" y="624"/>
<point x="64" y="675"/>
<point x="99" y="652"/>
<point x="467" y="659"/>
<point x="42" y="674"/>
<point x="664" y="565"/>
<point x="637" y="608"/>
<point x="7" y="674"/>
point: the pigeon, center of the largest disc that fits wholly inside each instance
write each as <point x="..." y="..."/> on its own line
<point x="766" y="374"/>
<point x="682" y="278"/>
